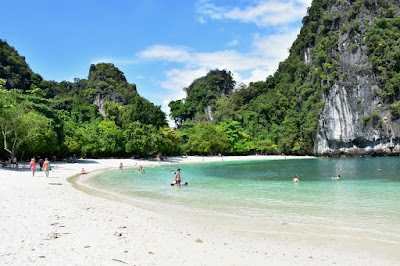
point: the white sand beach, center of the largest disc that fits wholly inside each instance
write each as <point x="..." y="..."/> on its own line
<point x="48" y="221"/>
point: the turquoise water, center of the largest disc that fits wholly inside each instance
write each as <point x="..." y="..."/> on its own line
<point x="260" y="197"/>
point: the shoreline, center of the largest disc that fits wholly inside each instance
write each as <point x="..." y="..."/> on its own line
<point x="329" y="240"/>
<point x="45" y="224"/>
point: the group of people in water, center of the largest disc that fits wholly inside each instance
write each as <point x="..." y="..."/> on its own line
<point x="45" y="164"/>
<point x="296" y="178"/>
<point x="177" y="180"/>
<point x="177" y="174"/>
<point x="141" y="170"/>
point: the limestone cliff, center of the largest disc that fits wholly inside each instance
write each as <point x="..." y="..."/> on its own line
<point x="356" y="118"/>
<point x="109" y="84"/>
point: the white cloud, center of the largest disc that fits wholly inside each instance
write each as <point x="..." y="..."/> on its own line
<point x="165" y="52"/>
<point x="274" y="46"/>
<point x="202" y="20"/>
<point x="233" y="43"/>
<point x="263" y="13"/>
<point x="177" y="79"/>
<point x="255" y="75"/>
<point x="267" y="52"/>
<point x="226" y="59"/>
<point x="306" y="3"/>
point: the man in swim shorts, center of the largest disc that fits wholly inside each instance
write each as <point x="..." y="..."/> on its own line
<point x="178" y="178"/>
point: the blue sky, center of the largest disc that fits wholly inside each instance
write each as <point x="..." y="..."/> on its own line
<point x="160" y="45"/>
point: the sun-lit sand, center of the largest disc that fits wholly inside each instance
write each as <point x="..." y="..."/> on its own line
<point x="48" y="221"/>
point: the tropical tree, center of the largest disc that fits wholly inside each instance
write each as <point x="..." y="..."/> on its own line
<point x="110" y="138"/>
<point x="239" y="142"/>
<point x="171" y="143"/>
<point x="142" y="139"/>
<point x="206" y="139"/>
<point x="20" y="123"/>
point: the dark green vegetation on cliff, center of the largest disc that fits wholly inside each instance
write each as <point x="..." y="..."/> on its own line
<point x="383" y="42"/>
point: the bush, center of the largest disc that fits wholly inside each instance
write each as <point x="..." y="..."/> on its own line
<point x="395" y="110"/>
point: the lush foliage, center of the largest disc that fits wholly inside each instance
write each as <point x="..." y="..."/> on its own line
<point x="383" y="41"/>
<point x="95" y="117"/>
<point x="15" y="70"/>
<point x="206" y="139"/>
<point x="25" y="122"/>
<point x="202" y="97"/>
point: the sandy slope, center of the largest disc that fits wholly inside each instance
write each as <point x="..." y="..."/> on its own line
<point x="46" y="221"/>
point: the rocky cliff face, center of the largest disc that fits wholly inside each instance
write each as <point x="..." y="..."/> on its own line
<point x="109" y="84"/>
<point x="355" y="119"/>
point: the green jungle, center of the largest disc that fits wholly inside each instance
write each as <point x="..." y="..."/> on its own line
<point x="104" y="116"/>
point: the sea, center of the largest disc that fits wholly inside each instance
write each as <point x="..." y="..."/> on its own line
<point x="259" y="197"/>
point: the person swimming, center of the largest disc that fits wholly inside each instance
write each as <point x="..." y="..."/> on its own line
<point x="336" y="178"/>
<point x="296" y="179"/>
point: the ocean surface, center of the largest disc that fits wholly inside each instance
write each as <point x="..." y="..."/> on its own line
<point x="259" y="197"/>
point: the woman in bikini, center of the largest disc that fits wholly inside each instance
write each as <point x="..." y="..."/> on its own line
<point x="33" y="166"/>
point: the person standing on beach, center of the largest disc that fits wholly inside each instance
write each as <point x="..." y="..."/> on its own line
<point x="121" y="166"/>
<point x="46" y="166"/>
<point x="41" y="164"/>
<point x="33" y="166"/>
<point x="15" y="162"/>
<point x="178" y="178"/>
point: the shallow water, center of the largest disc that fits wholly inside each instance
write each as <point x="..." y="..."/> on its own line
<point x="260" y="197"/>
